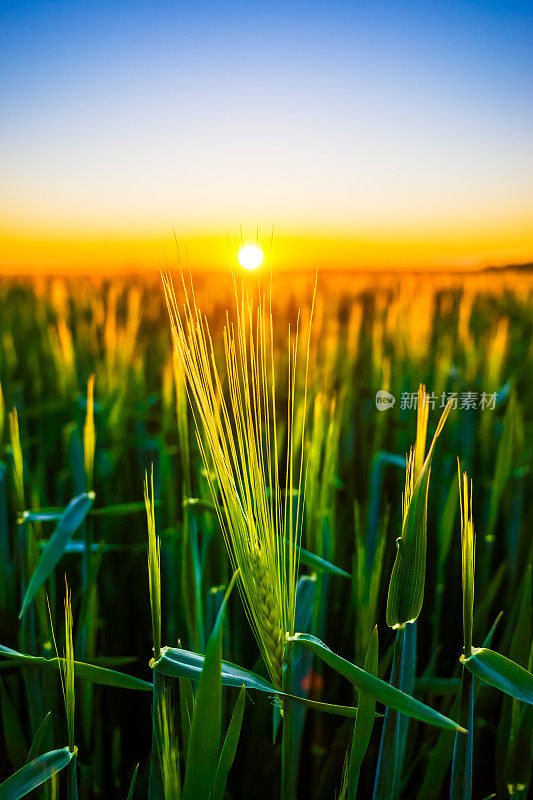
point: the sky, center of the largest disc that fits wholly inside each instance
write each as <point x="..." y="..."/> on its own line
<point x="365" y="134"/>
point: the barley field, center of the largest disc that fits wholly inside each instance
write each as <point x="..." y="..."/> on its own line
<point x="260" y="540"/>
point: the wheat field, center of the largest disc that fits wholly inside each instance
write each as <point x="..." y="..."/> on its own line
<point x="261" y="539"/>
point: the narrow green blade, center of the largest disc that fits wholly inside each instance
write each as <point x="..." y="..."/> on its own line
<point x="364" y="721"/>
<point x="320" y="564"/>
<point x="501" y="672"/>
<point x="177" y="663"/>
<point x="229" y="748"/>
<point x="204" y="738"/>
<point x="70" y="521"/>
<point x="35" y="774"/>
<point x="375" y="687"/>
<point x="132" y="784"/>
<point x="38" y="738"/>
<point x="88" y="672"/>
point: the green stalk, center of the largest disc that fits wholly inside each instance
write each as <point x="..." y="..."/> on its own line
<point x="155" y="781"/>
<point x="73" y="779"/>
<point x="289" y="761"/>
<point x="461" y="784"/>
<point x="394" y="734"/>
<point x="366" y="706"/>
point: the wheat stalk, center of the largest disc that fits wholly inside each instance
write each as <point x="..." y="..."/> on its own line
<point x="237" y="434"/>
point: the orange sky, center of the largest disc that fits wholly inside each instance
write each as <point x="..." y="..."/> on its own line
<point x="370" y="135"/>
<point x="437" y="249"/>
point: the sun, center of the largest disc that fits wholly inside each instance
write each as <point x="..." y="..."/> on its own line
<point x="250" y="256"/>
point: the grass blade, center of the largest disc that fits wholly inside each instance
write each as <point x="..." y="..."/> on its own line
<point x="35" y="774"/>
<point x="88" y="672"/>
<point x="38" y="738"/>
<point x="70" y="521"/>
<point x="132" y="784"/>
<point x="364" y="721"/>
<point x="177" y="663"/>
<point x="380" y="690"/>
<point x="501" y="672"/>
<point x="229" y="748"/>
<point x="319" y="564"/>
<point x="204" y="738"/>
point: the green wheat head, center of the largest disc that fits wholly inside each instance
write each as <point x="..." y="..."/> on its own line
<point x="89" y="436"/>
<point x="237" y="433"/>
<point x="18" y="466"/>
<point x="406" y="588"/>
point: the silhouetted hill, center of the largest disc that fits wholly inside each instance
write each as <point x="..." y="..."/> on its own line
<point x="511" y="268"/>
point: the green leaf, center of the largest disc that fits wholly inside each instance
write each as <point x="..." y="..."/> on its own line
<point x="88" y="672"/>
<point x="320" y="564"/>
<point x="132" y="784"/>
<point x="406" y="587"/>
<point x="35" y="773"/>
<point x="53" y="514"/>
<point x="501" y="672"/>
<point x="364" y="722"/>
<point x="177" y="663"/>
<point x="38" y="738"/>
<point x="70" y="521"/>
<point x="375" y="687"/>
<point x="43" y="515"/>
<point x="229" y="748"/>
<point x="204" y="738"/>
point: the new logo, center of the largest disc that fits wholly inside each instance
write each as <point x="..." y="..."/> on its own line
<point x="384" y="400"/>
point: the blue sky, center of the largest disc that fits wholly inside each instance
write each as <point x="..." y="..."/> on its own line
<point x="346" y="118"/>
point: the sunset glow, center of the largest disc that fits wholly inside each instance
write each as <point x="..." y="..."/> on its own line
<point x="375" y="135"/>
<point x="250" y="257"/>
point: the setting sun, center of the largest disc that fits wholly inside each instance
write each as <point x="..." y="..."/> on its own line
<point x="250" y="256"/>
